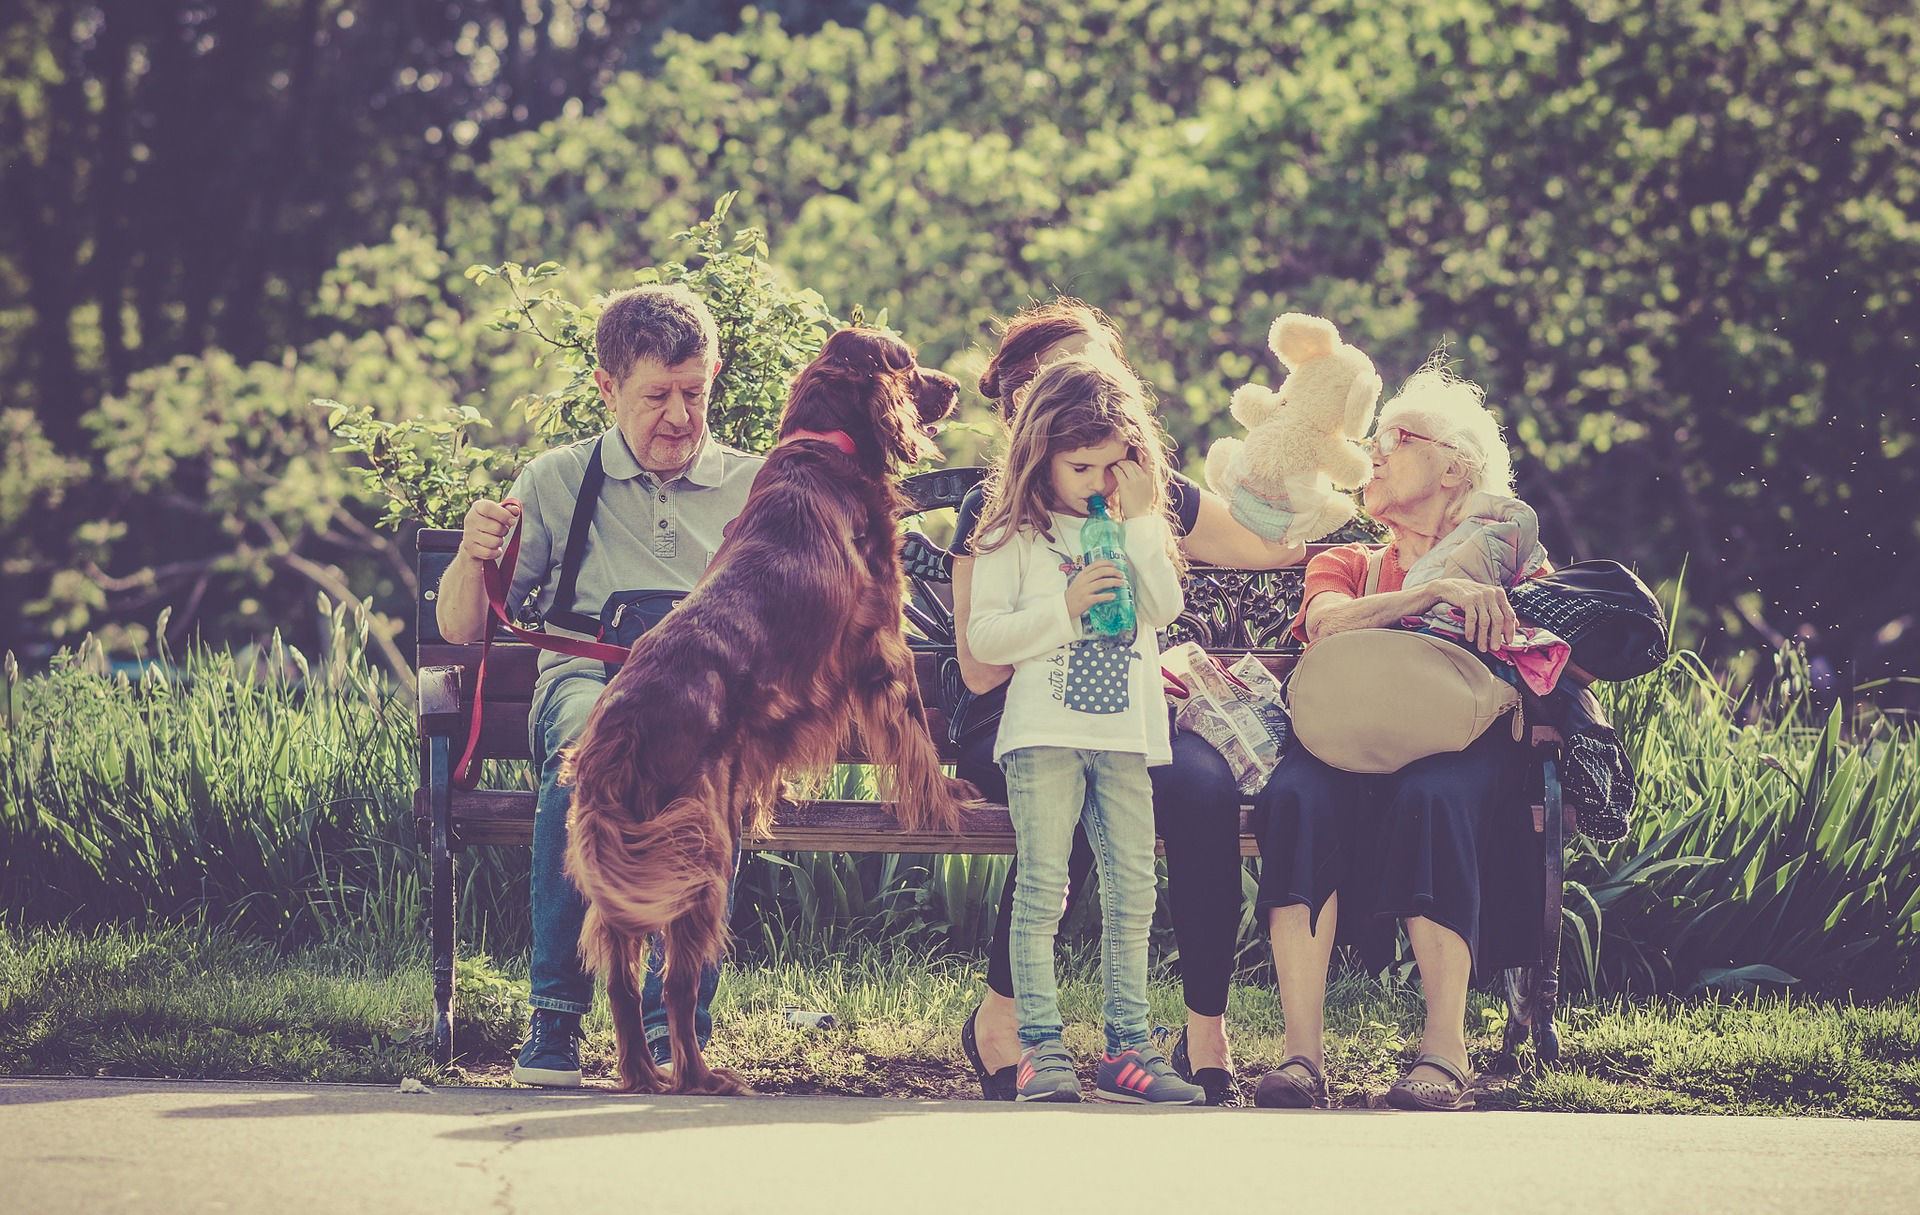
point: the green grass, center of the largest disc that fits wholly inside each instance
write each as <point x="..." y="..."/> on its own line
<point x="195" y="1002"/>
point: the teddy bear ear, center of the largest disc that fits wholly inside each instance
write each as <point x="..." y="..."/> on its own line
<point x="1297" y="337"/>
<point x="1362" y="395"/>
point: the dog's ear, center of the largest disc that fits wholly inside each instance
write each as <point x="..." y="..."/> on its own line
<point x="896" y="418"/>
<point x="827" y="395"/>
<point x="864" y="382"/>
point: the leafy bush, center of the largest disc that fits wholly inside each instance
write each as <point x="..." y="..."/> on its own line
<point x="262" y="791"/>
<point x="1760" y="853"/>
<point x="272" y="793"/>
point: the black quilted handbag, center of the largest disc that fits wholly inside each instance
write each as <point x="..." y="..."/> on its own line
<point x="1602" y="610"/>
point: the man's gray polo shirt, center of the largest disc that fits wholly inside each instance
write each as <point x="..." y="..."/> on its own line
<point x="645" y="536"/>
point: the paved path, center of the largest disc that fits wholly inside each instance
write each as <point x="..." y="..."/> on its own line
<point x="79" y="1145"/>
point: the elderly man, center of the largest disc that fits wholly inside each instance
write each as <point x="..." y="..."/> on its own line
<point x="610" y="529"/>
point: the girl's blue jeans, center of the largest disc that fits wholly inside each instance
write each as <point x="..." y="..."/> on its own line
<point x="1049" y="790"/>
<point x="559" y="981"/>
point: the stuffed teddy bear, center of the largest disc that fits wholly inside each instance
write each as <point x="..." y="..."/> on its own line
<point x="1303" y="438"/>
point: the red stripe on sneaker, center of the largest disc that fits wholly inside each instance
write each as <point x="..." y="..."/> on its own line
<point x="1134" y="1077"/>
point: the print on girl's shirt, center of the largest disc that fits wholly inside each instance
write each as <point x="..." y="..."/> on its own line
<point x="1097" y="678"/>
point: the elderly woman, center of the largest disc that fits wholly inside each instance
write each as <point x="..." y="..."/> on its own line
<point x="1196" y="804"/>
<point x="1445" y="844"/>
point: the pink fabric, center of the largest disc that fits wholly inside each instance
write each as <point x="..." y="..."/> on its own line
<point x="1538" y="655"/>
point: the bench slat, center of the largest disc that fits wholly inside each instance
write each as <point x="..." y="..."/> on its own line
<point x="513" y="666"/>
<point x="505" y="816"/>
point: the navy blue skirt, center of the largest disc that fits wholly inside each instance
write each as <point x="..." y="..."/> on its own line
<point x="1449" y="837"/>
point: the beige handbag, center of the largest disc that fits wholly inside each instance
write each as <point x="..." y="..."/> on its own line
<point x="1375" y="700"/>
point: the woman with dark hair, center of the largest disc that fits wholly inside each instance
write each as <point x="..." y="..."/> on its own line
<point x="1196" y="802"/>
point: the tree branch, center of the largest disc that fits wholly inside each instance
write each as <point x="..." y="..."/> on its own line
<point x="330" y="581"/>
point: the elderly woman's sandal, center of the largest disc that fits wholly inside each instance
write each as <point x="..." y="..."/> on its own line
<point x="1295" y="1085"/>
<point x="1453" y="1093"/>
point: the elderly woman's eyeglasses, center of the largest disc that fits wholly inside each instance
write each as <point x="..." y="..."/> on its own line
<point x="1388" y="440"/>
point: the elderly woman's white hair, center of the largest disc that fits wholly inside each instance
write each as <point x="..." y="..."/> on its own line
<point x="1453" y="412"/>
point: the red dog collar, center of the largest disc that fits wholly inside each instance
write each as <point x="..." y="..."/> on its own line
<point x="838" y="438"/>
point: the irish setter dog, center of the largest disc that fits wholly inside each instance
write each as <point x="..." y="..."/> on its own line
<point x="791" y="639"/>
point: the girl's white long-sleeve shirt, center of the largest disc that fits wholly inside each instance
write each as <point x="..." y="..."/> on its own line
<point x="1069" y="690"/>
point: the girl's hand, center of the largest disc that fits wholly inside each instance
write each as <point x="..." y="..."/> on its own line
<point x="1095" y="584"/>
<point x="1132" y="491"/>
<point x="1485" y="612"/>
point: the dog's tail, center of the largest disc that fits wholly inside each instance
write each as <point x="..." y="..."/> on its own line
<point x="638" y="866"/>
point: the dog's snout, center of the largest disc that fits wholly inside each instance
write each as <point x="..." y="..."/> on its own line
<point x="935" y="394"/>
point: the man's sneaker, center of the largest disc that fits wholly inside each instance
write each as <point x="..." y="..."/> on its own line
<point x="1046" y="1074"/>
<point x="550" y="1057"/>
<point x="1143" y="1076"/>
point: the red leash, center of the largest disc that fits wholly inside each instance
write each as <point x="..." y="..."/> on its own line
<point x="498" y="579"/>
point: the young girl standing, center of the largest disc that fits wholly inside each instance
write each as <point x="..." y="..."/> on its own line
<point x="1084" y="717"/>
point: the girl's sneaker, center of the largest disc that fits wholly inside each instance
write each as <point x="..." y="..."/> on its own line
<point x="1141" y="1075"/>
<point x="1046" y="1074"/>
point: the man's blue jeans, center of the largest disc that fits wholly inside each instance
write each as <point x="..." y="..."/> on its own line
<point x="559" y="981"/>
<point x="1049" y="790"/>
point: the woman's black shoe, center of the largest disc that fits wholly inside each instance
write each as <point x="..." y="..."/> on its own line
<point x="994" y="1086"/>
<point x="1221" y="1087"/>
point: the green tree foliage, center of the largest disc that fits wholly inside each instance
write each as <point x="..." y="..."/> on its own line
<point x="429" y="468"/>
<point x="1676" y="241"/>
<point x="182" y="174"/>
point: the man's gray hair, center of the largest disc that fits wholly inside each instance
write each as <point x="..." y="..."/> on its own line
<point x="666" y="323"/>
<point x="1454" y="413"/>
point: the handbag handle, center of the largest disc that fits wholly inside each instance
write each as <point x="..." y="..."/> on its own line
<point x="1179" y="686"/>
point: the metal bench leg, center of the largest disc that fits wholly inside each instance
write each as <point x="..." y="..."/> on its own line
<point x="440" y="916"/>
<point x="1516" y="983"/>
<point x="1532" y="992"/>
<point x="1546" y="985"/>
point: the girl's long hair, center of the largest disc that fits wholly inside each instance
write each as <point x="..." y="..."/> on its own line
<point x="1072" y="403"/>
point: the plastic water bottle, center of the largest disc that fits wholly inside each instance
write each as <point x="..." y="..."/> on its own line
<point x="807" y="1018"/>
<point x="1100" y="541"/>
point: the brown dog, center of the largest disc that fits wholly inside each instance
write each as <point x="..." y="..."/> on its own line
<point x="792" y="637"/>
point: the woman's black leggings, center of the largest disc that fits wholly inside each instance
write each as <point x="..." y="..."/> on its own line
<point x="1196" y="810"/>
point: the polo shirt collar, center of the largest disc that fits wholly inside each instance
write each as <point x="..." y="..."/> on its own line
<point x="619" y="463"/>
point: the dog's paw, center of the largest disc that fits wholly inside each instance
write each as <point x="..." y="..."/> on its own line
<point x="712" y="1082"/>
<point x="641" y="1083"/>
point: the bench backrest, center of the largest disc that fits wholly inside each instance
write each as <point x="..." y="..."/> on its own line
<point x="1229" y="612"/>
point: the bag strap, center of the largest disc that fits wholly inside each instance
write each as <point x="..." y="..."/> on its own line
<point x="1177" y="687"/>
<point x="584" y="504"/>
<point x="498" y="579"/>
<point x="1375" y="559"/>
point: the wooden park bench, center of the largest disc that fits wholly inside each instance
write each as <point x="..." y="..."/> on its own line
<point x="1229" y="612"/>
